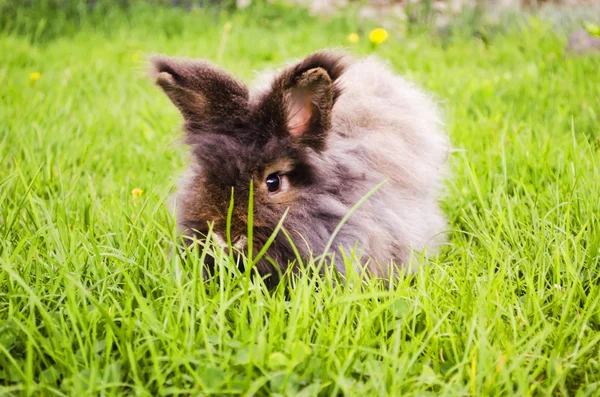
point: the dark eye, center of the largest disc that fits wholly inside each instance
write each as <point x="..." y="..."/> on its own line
<point x="273" y="183"/>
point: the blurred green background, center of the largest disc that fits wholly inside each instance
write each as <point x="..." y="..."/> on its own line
<point x="91" y="302"/>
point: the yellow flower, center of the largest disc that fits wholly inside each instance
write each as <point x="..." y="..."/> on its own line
<point x="137" y="192"/>
<point x="353" y="38"/>
<point x="35" y="76"/>
<point x="378" y="36"/>
<point x="501" y="363"/>
<point x="135" y="57"/>
<point x="592" y="28"/>
<point x="227" y="27"/>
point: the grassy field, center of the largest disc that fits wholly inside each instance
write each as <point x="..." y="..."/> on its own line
<point x="91" y="303"/>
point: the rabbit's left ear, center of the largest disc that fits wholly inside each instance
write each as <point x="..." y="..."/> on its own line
<point x="300" y="102"/>
<point x="207" y="96"/>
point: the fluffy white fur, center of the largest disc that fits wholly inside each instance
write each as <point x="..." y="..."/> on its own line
<point x="384" y="128"/>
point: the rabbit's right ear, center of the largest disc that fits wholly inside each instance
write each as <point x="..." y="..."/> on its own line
<point x="300" y="102"/>
<point x="206" y="96"/>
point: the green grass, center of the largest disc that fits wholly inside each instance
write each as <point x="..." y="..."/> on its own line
<point x="91" y="302"/>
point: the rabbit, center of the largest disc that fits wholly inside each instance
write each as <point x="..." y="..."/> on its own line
<point x="314" y="138"/>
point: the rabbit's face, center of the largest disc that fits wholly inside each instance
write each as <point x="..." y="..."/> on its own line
<point x="238" y="142"/>
<point x="226" y="167"/>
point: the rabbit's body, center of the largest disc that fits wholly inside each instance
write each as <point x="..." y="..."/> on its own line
<point x="347" y="129"/>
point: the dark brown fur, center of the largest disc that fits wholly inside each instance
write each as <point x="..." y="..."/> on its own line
<point x="234" y="140"/>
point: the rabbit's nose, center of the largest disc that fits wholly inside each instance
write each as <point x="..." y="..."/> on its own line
<point x="238" y="242"/>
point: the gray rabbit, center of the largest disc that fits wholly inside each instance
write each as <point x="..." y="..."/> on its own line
<point x="314" y="138"/>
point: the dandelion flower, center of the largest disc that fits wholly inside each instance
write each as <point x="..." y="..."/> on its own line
<point x="137" y="192"/>
<point x="353" y="38"/>
<point x="378" y="36"/>
<point x="501" y="363"/>
<point x="35" y="76"/>
<point x="135" y="57"/>
<point x="592" y="28"/>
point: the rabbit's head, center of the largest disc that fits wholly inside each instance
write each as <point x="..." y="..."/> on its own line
<point x="267" y="139"/>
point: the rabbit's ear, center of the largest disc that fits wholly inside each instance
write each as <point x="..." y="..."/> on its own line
<point x="308" y="106"/>
<point x="205" y="95"/>
<point x="301" y="98"/>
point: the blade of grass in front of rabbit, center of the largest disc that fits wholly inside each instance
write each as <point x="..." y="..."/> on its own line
<point x="205" y="247"/>
<point x="218" y="268"/>
<point x="264" y="249"/>
<point x="286" y="277"/>
<point x="349" y="259"/>
<point x="250" y="223"/>
<point x="222" y="265"/>
<point x="249" y="236"/>
<point x="296" y="252"/>
<point x="345" y="219"/>
<point x="228" y="227"/>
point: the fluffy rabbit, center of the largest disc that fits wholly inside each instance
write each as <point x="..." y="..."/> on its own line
<point x="314" y="139"/>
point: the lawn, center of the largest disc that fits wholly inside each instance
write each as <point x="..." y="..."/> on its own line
<point x="92" y="303"/>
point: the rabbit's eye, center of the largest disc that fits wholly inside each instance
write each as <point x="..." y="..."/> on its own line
<point x="273" y="183"/>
